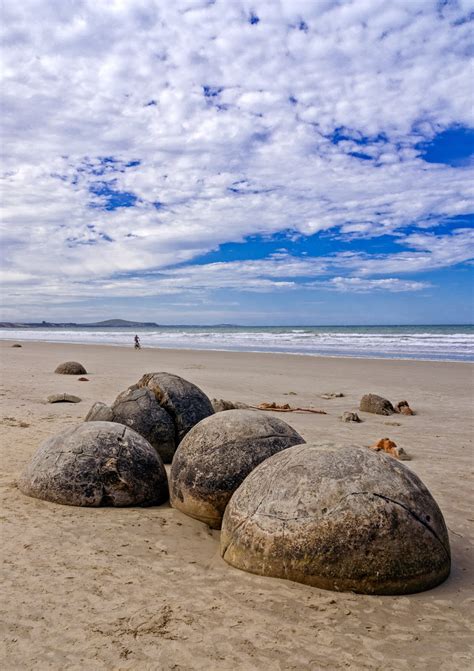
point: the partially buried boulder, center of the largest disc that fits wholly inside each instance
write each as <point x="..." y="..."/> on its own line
<point x="376" y="404"/>
<point x="340" y="518"/>
<point x="96" y="464"/>
<point x="218" y="454"/>
<point x="220" y="404"/>
<point x="63" y="398"/>
<point x="139" y="409"/>
<point x="183" y="401"/>
<point x="70" y="368"/>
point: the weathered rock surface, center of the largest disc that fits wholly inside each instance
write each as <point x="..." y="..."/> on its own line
<point x="219" y="405"/>
<point x="100" y="412"/>
<point x="182" y="400"/>
<point x="140" y="410"/>
<point x="350" y="417"/>
<point x="96" y="464"/>
<point x="340" y="518"/>
<point x="63" y="398"/>
<point x="218" y="454"/>
<point x="376" y="404"/>
<point x="161" y="407"/>
<point x="71" y="368"/>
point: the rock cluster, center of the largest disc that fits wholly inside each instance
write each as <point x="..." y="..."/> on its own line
<point x="161" y="407"/>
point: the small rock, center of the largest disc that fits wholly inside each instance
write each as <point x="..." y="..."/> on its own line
<point x="219" y="405"/>
<point x="350" y="417"/>
<point x="403" y="408"/>
<point x="332" y="394"/>
<point x="17" y="345"/>
<point x="63" y="398"/>
<point x="376" y="404"/>
<point x="388" y="446"/>
<point x="100" y="412"/>
<point x="83" y="379"/>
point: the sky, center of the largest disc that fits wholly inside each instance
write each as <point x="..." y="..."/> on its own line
<point x="225" y="161"/>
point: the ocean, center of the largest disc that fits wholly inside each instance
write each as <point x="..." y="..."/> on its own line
<point x="431" y="343"/>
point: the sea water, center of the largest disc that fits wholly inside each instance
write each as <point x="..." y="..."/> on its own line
<point x="434" y="343"/>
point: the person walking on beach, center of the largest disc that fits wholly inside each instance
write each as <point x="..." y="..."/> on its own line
<point x="137" y="342"/>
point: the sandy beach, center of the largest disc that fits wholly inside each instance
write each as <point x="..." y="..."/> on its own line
<point x="145" y="589"/>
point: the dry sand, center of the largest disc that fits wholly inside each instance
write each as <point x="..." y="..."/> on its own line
<point x="145" y="589"/>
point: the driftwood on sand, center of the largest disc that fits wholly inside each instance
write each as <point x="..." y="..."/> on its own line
<point x="286" y="408"/>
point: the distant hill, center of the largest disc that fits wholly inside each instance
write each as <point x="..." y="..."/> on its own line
<point x="122" y="323"/>
<point x="108" y="323"/>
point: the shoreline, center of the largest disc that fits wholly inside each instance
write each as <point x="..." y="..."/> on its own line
<point x="146" y="588"/>
<point x="236" y="351"/>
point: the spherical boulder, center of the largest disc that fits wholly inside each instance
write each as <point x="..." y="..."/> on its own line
<point x="182" y="400"/>
<point x="218" y="454"/>
<point x="96" y="464"/>
<point x="376" y="404"/>
<point x="70" y="368"/>
<point x="340" y="518"/>
<point x="139" y="409"/>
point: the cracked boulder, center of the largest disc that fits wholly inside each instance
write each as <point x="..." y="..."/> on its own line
<point x="217" y="455"/>
<point x="339" y="518"/>
<point x="139" y="409"/>
<point x="96" y="464"/>
<point x="185" y="403"/>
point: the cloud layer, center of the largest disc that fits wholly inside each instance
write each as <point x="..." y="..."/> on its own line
<point x="140" y="135"/>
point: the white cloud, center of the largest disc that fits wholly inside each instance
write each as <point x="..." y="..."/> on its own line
<point x="358" y="285"/>
<point x="125" y="79"/>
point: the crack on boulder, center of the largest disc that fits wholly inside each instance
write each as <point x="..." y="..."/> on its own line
<point x="416" y="517"/>
<point x="397" y="503"/>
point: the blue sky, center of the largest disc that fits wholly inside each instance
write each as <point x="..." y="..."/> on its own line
<point x="267" y="162"/>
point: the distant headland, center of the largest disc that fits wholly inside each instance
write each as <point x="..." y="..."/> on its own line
<point x="108" y="323"/>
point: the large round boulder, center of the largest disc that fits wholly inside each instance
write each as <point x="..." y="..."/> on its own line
<point x="218" y="454"/>
<point x="183" y="401"/>
<point x="340" y="518"/>
<point x="139" y="409"/>
<point x="96" y="464"/>
<point x="70" y="368"/>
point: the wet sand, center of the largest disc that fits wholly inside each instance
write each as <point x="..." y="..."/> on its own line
<point x="146" y="589"/>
